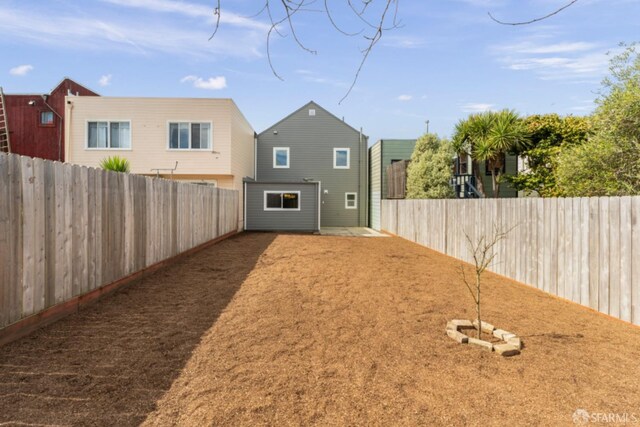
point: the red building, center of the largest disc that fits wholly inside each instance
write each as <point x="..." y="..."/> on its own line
<point x="35" y="122"/>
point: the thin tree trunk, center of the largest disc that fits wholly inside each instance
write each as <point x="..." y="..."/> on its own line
<point x="496" y="190"/>
<point x="478" y="306"/>
<point x="475" y="170"/>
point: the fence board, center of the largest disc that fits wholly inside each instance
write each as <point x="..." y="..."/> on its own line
<point x="66" y="230"/>
<point x="583" y="249"/>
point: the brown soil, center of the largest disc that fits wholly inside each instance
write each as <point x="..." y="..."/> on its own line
<point x="298" y="329"/>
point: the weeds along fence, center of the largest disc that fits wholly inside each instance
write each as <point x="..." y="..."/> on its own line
<point x="66" y="230"/>
<point x="586" y="250"/>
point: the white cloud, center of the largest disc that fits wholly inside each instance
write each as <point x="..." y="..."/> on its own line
<point x="405" y="97"/>
<point x="403" y="42"/>
<point x="124" y="34"/>
<point x="476" y="107"/>
<point x="193" y="10"/>
<point x="212" y="83"/>
<point x="105" y="80"/>
<point x="21" y="70"/>
<point x="554" y="60"/>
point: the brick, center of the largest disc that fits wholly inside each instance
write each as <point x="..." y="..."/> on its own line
<point x="516" y="342"/>
<point x="486" y="327"/>
<point x="499" y="332"/>
<point x="463" y="324"/>
<point x="506" y="350"/>
<point x="507" y="336"/>
<point x="486" y="345"/>
<point x="458" y="336"/>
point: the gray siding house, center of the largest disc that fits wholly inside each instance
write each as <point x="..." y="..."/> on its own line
<point x="381" y="155"/>
<point x="311" y="172"/>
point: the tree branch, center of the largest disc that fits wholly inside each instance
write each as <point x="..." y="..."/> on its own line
<point x="555" y="12"/>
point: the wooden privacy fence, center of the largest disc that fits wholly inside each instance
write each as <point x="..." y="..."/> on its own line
<point x="586" y="250"/>
<point x="66" y="230"/>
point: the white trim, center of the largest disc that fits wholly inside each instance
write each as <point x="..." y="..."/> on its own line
<point x="190" y="122"/>
<point x="346" y="201"/>
<point x="288" y="157"/>
<point x="319" y="203"/>
<point x="348" y="150"/>
<point x="108" y="121"/>
<point x="280" y="192"/>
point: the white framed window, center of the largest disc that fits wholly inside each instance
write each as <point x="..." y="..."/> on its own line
<point x="189" y="136"/>
<point x="351" y="200"/>
<point x="281" y="200"/>
<point x="109" y="135"/>
<point x="281" y="157"/>
<point x="341" y="158"/>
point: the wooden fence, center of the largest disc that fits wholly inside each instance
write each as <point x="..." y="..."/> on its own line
<point x="586" y="250"/>
<point x="66" y="230"/>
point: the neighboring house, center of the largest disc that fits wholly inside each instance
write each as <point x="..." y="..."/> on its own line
<point x="311" y="173"/>
<point x="35" y="122"/>
<point x="199" y="140"/>
<point x="381" y="155"/>
<point x="462" y="177"/>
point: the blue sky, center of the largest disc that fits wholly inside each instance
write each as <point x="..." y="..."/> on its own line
<point x="447" y="59"/>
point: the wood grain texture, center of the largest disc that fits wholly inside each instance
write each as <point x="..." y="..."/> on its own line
<point x="586" y="250"/>
<point x="67" y="230"/>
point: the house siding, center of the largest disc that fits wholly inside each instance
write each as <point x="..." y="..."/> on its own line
<point x="375" y="184"/>
<point x="306" y="219"/>
<point x="506" y="190"/>
<point x="228" y="161"/>
<point x="311" y="140"/>
<point x="394" y="149"/>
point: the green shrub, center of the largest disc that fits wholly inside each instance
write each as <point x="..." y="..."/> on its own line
<point x="115" y="164"/>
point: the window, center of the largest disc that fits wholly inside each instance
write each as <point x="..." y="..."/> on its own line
<point x="341" y="158"/>
<point x="351" y="200"/>
<point x="281" y="200"/>
<point x="46" y="118"/>
<point x="281" y="157"/>
<point x="503" y="169"/>
<point x="312" y="112"/>
<point x="112" y="135"/>
<point x="189" y="136"/>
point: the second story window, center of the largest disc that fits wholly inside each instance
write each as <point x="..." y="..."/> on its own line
<point x="189" y="136"/>
<point x="280" y="157"/>
<point x="341" y="158"/>
<point x="109" y="135"/>
<point x="46" y="118"/>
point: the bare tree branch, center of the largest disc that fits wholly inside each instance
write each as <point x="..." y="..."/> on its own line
<point x="283" y="13"/>
<point x="555" y="12"/>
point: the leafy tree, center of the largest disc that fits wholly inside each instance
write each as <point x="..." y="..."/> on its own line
<point x="489" y="136"/>
<point x="430" y="171"/>
<point x="115" y="164"/>
<point x="548" y="135"/>
<point x="608" y="164"/>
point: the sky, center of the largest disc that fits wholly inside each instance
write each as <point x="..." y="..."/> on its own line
<point x="444" y="60"/>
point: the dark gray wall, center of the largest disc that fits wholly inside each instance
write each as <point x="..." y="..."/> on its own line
<point x="311" y="140"/>
<point x="306" y="219"/>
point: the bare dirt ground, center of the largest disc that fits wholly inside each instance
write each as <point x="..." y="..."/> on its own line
<point x="267" y="329"/>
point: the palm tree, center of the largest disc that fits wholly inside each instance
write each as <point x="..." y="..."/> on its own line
<point x="488" y="137"/>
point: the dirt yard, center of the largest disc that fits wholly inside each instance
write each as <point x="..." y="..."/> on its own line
<point x="267" y="329"/>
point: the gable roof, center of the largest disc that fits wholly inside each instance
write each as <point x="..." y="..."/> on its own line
<point x="65" y="79"/>
<point x="312" y="104"/>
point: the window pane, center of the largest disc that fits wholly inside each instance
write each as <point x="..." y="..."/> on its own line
<point x="184" y="135"/>
<point x="195" y="135"/>
<point x="125" y="135"/>
<point x="173" y="135"/>
<point x="102" y="132"/>
<point x="93" y="135"/>
<point x="115" y="135"/>
<point x="46" y="118"/>
<point x="351" y="197"/>
<point x="281" y="157"/>
<point x="205" y="131"/>
<point x="290" y="201"/>
<point x="342" y="158"/>
<point x="274" y="200"/>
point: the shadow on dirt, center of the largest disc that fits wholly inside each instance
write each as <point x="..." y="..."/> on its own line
<point x="111" y="363"/>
